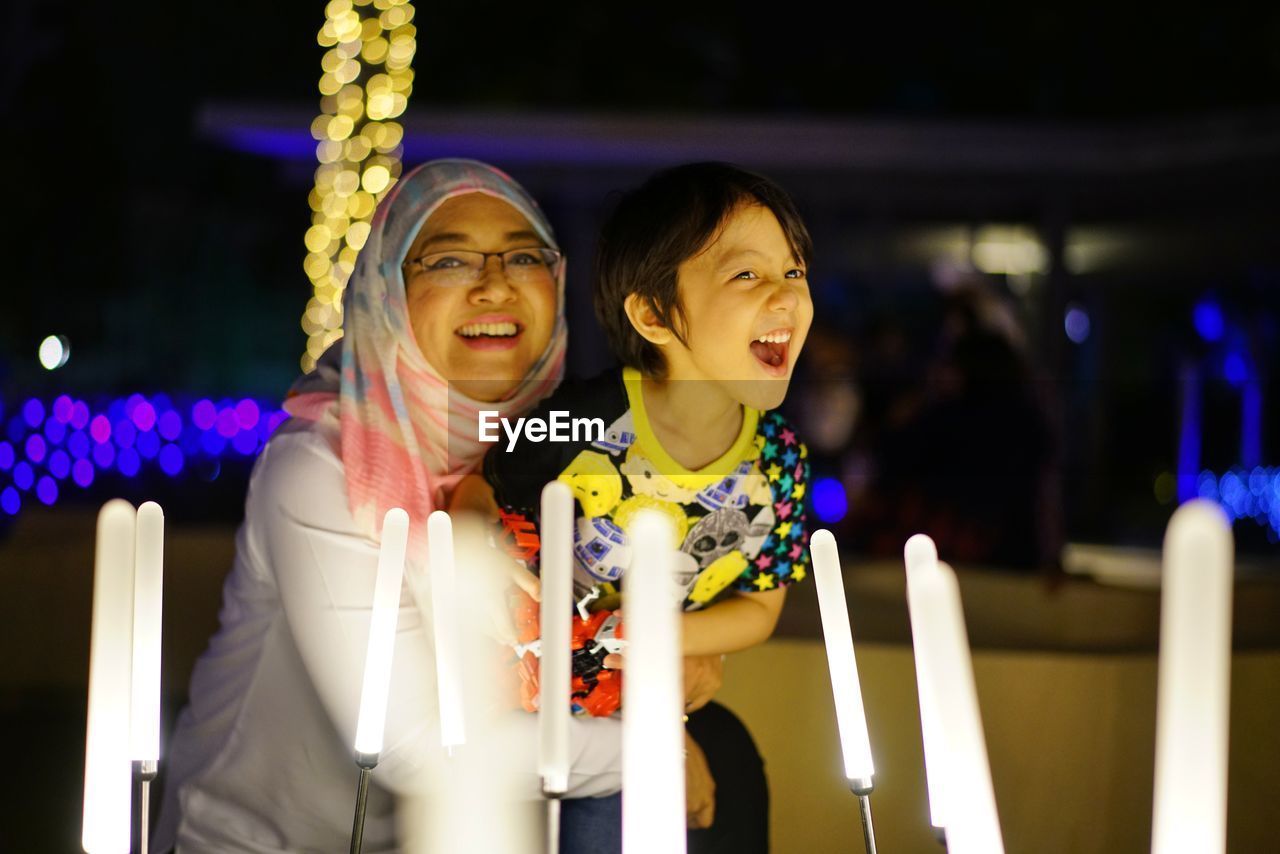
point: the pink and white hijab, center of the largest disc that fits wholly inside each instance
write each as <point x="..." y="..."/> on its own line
<point x="406" y="436"/>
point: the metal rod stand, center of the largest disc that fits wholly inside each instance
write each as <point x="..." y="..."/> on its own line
<point x="553" y="822"/>
<point x="146" y="769"/>
<point x="366" y="763"/>
<point x="868" y="830"/>
<point x="862" y="789"/>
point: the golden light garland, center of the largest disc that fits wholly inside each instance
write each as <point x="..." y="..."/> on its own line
<point x="367" y="78"/>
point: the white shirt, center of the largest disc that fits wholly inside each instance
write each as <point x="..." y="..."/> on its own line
<point x="262" y="758"/>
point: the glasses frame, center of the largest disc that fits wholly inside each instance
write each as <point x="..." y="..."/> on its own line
<point x="553" y="257"/>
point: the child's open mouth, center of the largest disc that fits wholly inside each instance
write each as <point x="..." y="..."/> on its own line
<point x="771" y="349"/>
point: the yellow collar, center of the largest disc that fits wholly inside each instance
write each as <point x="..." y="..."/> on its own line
<point x="741" y="449"/>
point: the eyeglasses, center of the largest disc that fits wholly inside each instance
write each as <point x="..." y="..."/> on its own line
<point x="460" y="268"/>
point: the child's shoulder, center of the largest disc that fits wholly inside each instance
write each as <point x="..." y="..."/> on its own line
<point x="775" y="430"/>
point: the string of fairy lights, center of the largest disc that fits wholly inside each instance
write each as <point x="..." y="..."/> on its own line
<point x="367" y="79"/>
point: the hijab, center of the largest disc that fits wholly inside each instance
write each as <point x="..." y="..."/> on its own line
<point x="404" y="435"/>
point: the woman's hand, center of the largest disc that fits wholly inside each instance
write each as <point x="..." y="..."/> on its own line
<point x="699" y="786"/>
<point x="703" y="676"/>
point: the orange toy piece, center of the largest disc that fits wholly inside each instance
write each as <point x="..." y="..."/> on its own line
<point x="593" y="689"/>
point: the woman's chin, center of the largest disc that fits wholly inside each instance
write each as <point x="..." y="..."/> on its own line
<point x="486" y="388"/>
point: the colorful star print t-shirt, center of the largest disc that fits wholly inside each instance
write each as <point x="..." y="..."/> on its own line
<point x="741" y="522"/>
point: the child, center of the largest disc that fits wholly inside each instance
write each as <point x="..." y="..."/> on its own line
<point x="700" y="286"/>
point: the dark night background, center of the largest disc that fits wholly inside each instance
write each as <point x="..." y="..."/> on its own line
<point x="1148" y="139"/>
<point x="172" y="261"/>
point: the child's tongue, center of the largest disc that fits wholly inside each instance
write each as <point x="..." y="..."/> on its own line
<point x="768" y="352"/>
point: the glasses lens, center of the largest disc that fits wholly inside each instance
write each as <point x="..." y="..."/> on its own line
<point x="529" y="265"/>
<point x="447" y="269"/>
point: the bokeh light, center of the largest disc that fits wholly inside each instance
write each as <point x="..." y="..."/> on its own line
<point x="203" y="414"/>
<point x="33" y="413"/>
<point x="1208" y="319"/>
<point x="128" y="462"/>
<point x="23" y="476"/>
<point x="47" y="490"/>
<point x="35" y="448"/>
<point x="63" y="407"/>
<point x="1235" y="369"/>
<point x="59" y="464"/>
<point x="78" y="444"/>
<point x="169" y="425"/>
<point x="365" y="83"/>
<point x="100" y="429"/>
<point x="54" y="352"/>
<point x="53" y="444"/>
<point x="171" y="460"/>
<point x="1076" y="324"/>
<point x="82" y="473"/>
<point x="830" y="503"/>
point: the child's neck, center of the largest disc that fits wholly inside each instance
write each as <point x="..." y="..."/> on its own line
<point x="694" y="425"/>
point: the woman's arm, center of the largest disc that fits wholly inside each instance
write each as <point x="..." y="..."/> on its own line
<point x="302" y="533"/>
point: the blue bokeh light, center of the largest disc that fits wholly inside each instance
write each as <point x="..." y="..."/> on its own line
<point x="1235" y="369"/>
<point x="212" y="443"/>
<point x="59" y="464"/>
<point x="63" y="407"/>
<point x="246" y="442"/>
<point x="829" y="500"/>
<point x="169" y="425"/>
<point x="171" y="460"/>
<point x="33" y="413"/>
<point x="124" y="433"/>
<point x="1209" y="321"/>
<point x="55" y="431"/>
<point x="78" y="444"/>
<point x="79" y="414"/>
<point x="23" y="476"/>
<point x="36" y="448"/>
<point x="1077" y="325"/>
<point x="104" y="455"/>
<point x="128" y="462"/>
<point x="46" y="445"/>
<point x="10" y="501"/>
<point x="148" y="444"/>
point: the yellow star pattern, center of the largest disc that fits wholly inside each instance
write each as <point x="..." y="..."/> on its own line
<point x="764" y="582"/>
<point x="797" y="572"/>
<point x="784" y="530"/>
<point x="798" y="492"/>
<point x="774" y="471"/>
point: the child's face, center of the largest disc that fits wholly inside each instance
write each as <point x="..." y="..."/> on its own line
<point x="744" y="286"/>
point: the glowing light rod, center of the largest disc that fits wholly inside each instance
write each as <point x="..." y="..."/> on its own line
<point x="653" y="803"/>
<point x="108" y="782"/>
<point x="1193" y="694"/>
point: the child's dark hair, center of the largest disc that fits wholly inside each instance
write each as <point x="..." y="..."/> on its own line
<point x="660" y="225"/>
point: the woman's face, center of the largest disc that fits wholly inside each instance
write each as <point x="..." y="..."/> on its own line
<point x="484" y="335"/>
